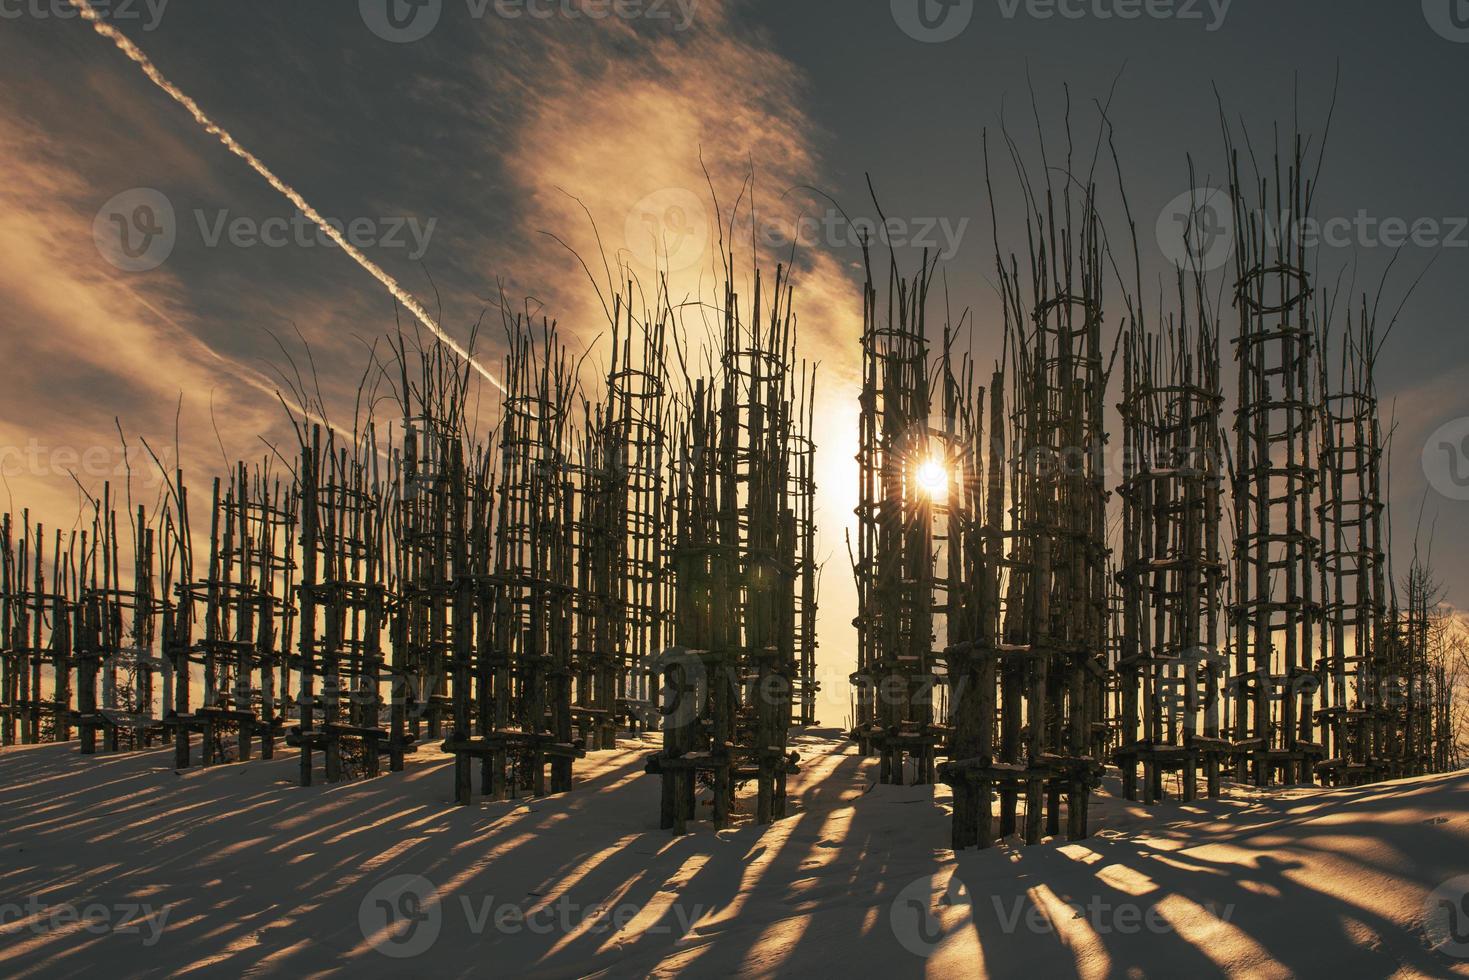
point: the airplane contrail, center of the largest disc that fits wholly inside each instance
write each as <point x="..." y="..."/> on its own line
<point x="127" y="47"/>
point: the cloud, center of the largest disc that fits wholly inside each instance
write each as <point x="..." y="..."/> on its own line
<point x="534" y="127"/>
<point x="655" y="133"/>
<point x="86" y="344"/>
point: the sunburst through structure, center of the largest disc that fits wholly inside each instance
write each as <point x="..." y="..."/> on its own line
<point x="932" y="477"/>
<point x="1083" y="619"/>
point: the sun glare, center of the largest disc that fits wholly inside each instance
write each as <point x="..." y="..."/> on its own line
<point x="933" y="478"/>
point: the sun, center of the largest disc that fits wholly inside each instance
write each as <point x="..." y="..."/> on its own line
<point x="932" y="478"/>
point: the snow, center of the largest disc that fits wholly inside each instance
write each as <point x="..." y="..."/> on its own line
<point x="119" y="865"/>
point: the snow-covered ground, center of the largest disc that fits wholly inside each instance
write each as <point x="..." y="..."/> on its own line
<point x="119" y="866"/>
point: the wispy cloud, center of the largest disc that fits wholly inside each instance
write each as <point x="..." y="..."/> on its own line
<point x="536" y="128"/>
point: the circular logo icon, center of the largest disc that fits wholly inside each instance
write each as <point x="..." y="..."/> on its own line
<point x="1448" y="18"/>
<point x="1446" y="459"/>
<point x="401" y="21"/>
<point x="925" y="913"/>
<point x="933" y="21"/>
<point x="136" y="230"/>
<point x="1446" y="917"/>
<point x="401" y="916"/>
<point x="1196" y="229"/>
<point x="668" y="229"/>
<point x="678" y="678"/>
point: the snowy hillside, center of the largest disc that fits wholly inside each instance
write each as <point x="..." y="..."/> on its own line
<point x="119" y="864"/>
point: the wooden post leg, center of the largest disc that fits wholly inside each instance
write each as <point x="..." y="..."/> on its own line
<point x="721" y="797"/>
<point x="962" y="828"/>
<point x="1034" y="805"/>
<point x="333" y="759"/>
<point x="667" y="817"/>
<point x="1009" y="803"/>
<point x="1077" y="801"/>
<point x="985" y="831"/>
<point x="463" y="783"/>
<point x="683" y="801"/>
<point x="498" y="788"/>
<point x="680" y="798"/>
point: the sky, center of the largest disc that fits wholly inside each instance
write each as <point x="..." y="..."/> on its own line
<point x="477" y="148"/>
